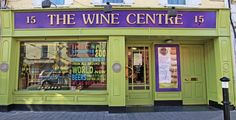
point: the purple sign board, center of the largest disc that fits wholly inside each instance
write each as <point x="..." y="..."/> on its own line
<point x="167" y="67"/>
<point x="118" y="18"/>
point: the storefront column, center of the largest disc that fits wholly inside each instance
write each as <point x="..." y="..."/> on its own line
<point x="6" y="82"/>
<point x="6" y="77"/>
<point x="116" y="79"/>
<point x="224" y="67"/>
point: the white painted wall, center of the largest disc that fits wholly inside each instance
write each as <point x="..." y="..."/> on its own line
<point x="28" y="4"/>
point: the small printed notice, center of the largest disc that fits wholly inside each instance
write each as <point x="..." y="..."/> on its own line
<point x="137" y="59"/>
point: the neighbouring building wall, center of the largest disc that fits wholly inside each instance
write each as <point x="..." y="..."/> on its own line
<point x="29" y="4"/>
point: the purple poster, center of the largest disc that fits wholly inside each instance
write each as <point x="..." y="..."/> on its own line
<point x="167" y="67"/>
<point x="118" y="18"/>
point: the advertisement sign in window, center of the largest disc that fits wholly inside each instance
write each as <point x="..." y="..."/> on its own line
<point x="167" y="67"/>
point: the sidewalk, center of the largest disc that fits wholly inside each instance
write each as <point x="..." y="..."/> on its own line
<point x="197" y="115"/>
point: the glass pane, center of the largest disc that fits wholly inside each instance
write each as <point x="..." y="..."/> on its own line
<point x="178" y="2"/>
<point x="44" y="53"/>
<point x="138" y="67"/>
<point x="113" y="1"/>
<point x="130" y="68"/>
<point x="58" y="2"/>
<point x="68" y="66"/>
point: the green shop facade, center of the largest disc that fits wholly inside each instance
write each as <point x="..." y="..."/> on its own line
<point x="84" y="57"/>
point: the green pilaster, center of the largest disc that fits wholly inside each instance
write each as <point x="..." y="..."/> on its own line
<point x="5" y="51"/>
<point x="7" y="27"/>
<point x="5" y="57"/>
<point x="223" y="54"/>
<point x="224" y="67"/>
<point x="116" y="81"/>
<point x="211" y="71"/>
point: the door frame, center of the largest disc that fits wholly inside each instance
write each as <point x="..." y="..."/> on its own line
<point x="150" y="100"/>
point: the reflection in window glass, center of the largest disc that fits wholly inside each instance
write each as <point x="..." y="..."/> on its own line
<point x="177" y="2"/>
<point x="63" y="65"/>
<point x="44" y="51"/>
<point x="58" y="2"/>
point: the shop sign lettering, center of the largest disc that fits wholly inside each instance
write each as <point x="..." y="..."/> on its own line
<point x="119" y="18"/>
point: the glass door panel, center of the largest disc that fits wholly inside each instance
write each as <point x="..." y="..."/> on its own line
<point x="138" y="68"/>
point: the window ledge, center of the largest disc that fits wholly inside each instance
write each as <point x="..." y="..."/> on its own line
<point x="182" y="6"/>
<point x="41" y="92"/>
<point x="113" y="4"/>
<point x="53" y="6"/>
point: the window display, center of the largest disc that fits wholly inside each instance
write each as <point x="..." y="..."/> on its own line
<point x="167" y="68"/>
<point x="63" y="65"/>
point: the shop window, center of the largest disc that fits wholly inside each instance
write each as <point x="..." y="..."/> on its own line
<point x="176" y="2"/>
<point x="113" y="2"/>
<point x="69" y="65"/>
<point x="59" y="3"/>
<point x="44" y="53"/>
<point x="185" y="3"/>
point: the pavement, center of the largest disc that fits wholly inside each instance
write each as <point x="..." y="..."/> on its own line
<point x="162" y="114"/>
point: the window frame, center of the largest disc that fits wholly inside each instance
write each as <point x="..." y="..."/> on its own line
<point x="188" y="3"/>
<point x="100" y="2"/>
<point x="37" y="3"/>
<point x="177" y="4"/>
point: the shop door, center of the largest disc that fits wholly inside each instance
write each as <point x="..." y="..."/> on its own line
<point x="138" y="76"/>
<point x="193" y="74"/>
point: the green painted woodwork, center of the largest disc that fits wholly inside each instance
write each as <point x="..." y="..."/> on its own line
<point x="224" y="66"/>
<point x="210" y="71"/>
<point x="5" y="84"/>
<point x="61" y="97"/>
<point x="115" y="31"/>
<point x="168" y="96"/>
<point x="223" y="24"/>
<point x="7" y="21"/>
<point x="193" y="74"/>
<point x="116" y="81"/>
<point x="217" y="56"/>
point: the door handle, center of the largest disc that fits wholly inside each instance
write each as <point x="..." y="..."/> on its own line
<point x="186" y="79"/>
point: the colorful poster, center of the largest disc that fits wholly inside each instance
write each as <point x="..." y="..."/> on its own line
<point x="88" y="61"/>
<point x="167" y="68"/>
